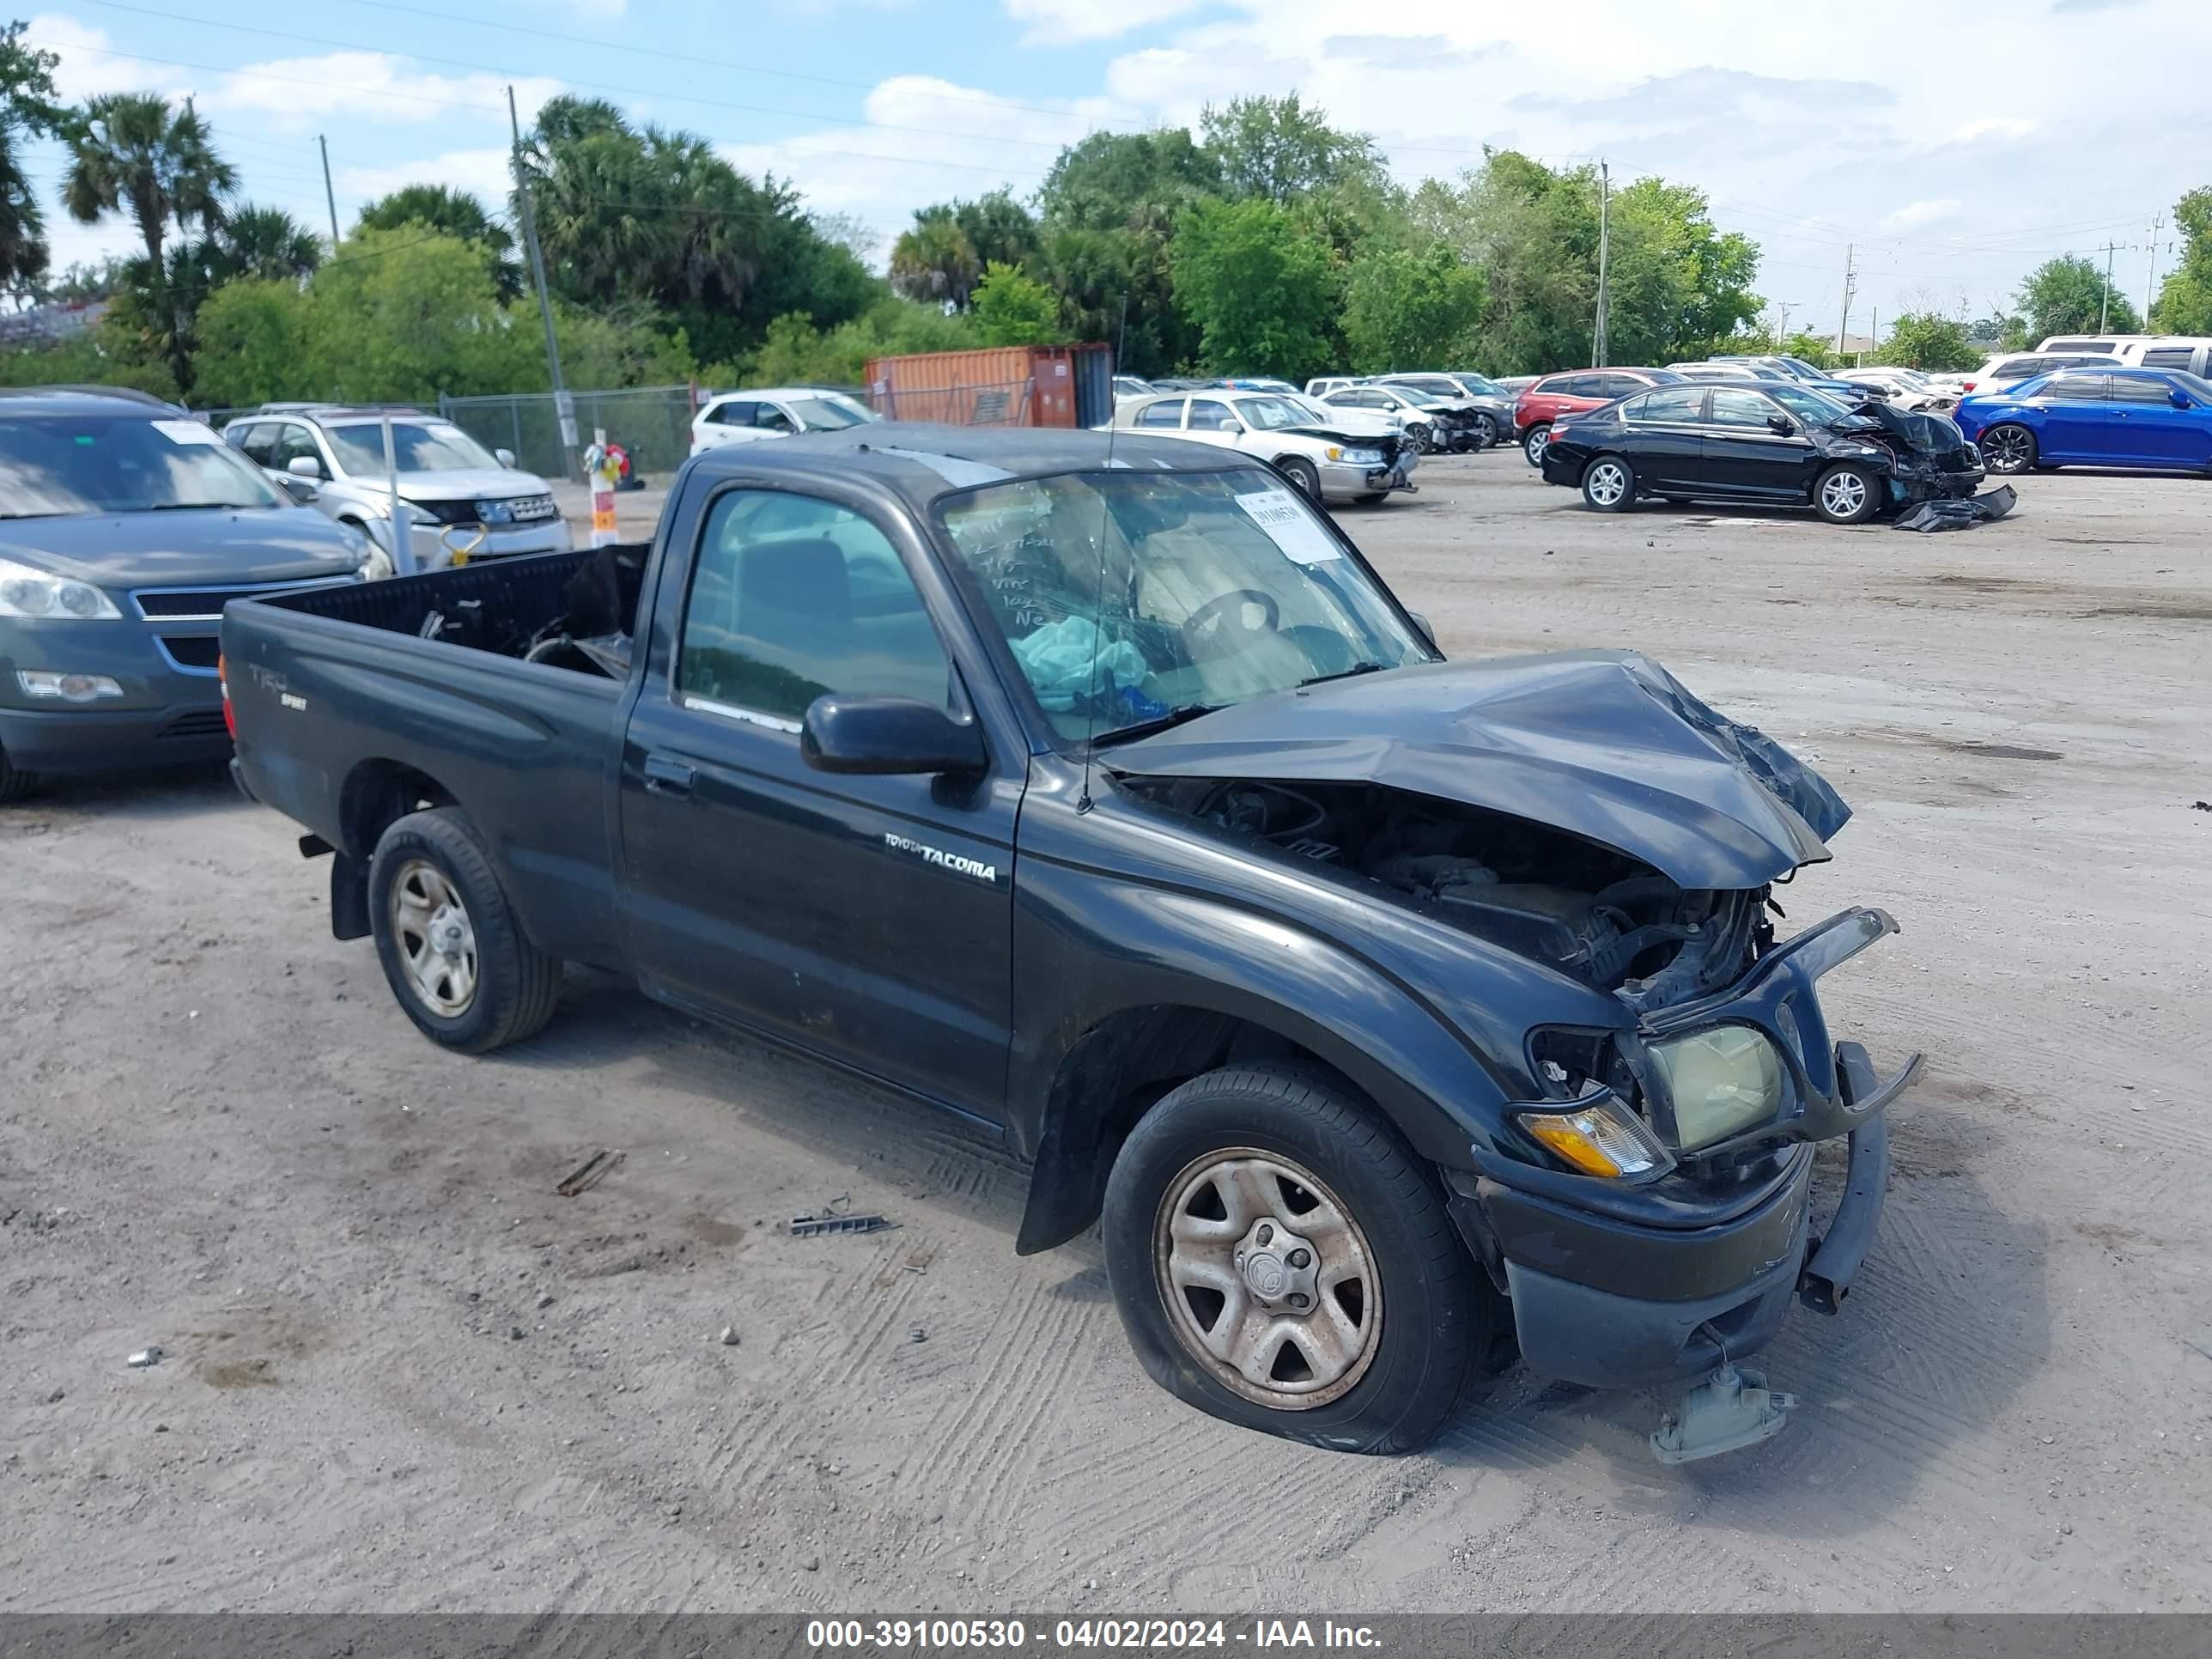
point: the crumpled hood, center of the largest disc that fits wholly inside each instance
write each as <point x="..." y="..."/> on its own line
<point x="1604" y="745"/>
<point x="218" y="546"/>
<point x="1924" y="434"/>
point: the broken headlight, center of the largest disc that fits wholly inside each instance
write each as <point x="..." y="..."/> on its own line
<point x="1724" y="1081"/>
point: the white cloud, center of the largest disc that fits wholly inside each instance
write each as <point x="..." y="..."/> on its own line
<point x="1993" y="126"/>
<point x="374" y="86"/>
<point x="91" y="63"/>
<point x="1917" y="215"/>
<point x="485" y="173"/>
<point x="1063" y="23"/>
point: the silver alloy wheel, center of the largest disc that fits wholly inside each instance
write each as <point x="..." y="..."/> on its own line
<point x="2006" y="449"/>
<point x="1485" y="432"/>
<point x="1268" y="1281"/>
<point x="1538" y="442"/>
<point x="437" y="942"/>
<point x="1844" y="496"/>
<point x="1607" y="483"/>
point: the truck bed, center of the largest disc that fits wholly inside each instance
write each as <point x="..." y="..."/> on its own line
<point x="570" y="610"/>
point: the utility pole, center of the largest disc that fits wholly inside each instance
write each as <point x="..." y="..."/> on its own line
<point x="2149" y="276"/>
<point x="2104" y="301"/>
<point x="1782" y="325"/>
<point x="564" y="405"/>
<point x="1604" y="195"/>
<point x="329" y="195"/>
<point x="1874" y="333"/>
<point x="1850" y="286"/>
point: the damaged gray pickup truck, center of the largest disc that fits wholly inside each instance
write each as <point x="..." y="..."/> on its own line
<point x="1387" y="1011"/>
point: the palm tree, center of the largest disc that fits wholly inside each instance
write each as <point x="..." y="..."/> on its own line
<point x="935" y="260"/>
<point x="263" y="242"/>
<point x="450" y="212"/>
<point x="130" y="152"/>
<point x="23" y="252"/>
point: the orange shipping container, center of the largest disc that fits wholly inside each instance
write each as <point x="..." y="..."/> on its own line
<point x="1064" y="385"/>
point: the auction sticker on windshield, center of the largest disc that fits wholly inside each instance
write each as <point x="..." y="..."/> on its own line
<point x="187" y="431"/>
<point x="1289" y="526"/>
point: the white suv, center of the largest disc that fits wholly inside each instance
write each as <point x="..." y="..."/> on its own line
<point x="459" y="497"/>
<point x="1327" y="463"/>
<point x="744" y="417"/>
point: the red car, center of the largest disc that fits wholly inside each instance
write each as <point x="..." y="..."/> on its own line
<point x="1572" y="393"/>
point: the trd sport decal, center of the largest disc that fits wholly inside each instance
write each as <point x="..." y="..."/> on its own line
<point x="943" y="859"/>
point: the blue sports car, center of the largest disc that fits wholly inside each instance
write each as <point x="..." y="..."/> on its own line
<point x="2145" y="417"/>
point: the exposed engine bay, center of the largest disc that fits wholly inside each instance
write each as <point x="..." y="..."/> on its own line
<point x="1586" y="910"/>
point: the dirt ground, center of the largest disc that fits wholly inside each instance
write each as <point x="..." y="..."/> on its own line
<point x="401" y="1373"/>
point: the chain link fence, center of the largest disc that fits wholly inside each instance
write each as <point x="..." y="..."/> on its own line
<point x="653" y="423"/>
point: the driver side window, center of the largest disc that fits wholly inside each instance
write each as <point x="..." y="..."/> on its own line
<point x="1740" y="408"/>
<point x="793" y="598"/>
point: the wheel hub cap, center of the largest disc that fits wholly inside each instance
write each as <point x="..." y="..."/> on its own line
<point x="1268" y="1281"/>
<point x="436" y="940"/>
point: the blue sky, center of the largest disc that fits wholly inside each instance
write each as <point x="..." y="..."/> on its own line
<point x="1944" y="155"/>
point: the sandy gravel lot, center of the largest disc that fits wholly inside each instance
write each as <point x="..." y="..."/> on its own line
<point x="404" y="1374"/>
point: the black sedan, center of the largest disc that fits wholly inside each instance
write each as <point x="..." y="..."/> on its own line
<point x="1764" y="442"/>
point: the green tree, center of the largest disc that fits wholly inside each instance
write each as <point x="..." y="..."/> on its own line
<point x="262" y="242"/>
<point x="1921" y="339"/>
<point x="1278" y="150"/>
<point x="998" y="228"/>
<point x="1013" y="308"/>
<point x="26" y="110"/>
<point x="1260" y="289"/>
<point x="1404" y="310"/>
<point x="2064" y="295"/>
<point x="1133" y="181"/>
<point x="1817" y="350"/>
<point x="256" y="336"/>
<point x="130" y="152"/>
<point x="450" y="212"/>
<point x="1118" y="286"/>
<point x="935" y="261"/>
<point x="2184" y="299"/>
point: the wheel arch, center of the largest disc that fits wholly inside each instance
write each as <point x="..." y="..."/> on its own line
<point x="376" y="794"/>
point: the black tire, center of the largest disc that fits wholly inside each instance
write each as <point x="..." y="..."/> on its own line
<point x="1833" y="485"/>
<point x="516" y="985"/>
<point x="15" y="784"/>
<point x="1485" y="431"/>
<point x="2009" y="449"/>
<point x="1676" y="501"/>
<point x="1609" y="484"/>
<point x="1434" y="1312"/>
<point x="1533" y="441"/>
<point x="1422" y="437"/>
<point x="1302" y="474"/>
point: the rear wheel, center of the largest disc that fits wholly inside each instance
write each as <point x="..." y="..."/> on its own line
<point x="1281" y="1260"/>
<point x="451" y="948"/>
<point x="2009" y="449"/>
<point x="1533" y="444"/>
<point x="1609" y="484"/>
<point x="1846" y="495"/>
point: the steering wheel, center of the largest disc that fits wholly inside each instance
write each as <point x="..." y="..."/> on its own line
<point x="1209" y="615"/>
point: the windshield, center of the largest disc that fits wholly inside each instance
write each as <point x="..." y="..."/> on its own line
<point x="1436" y="385"/>
<point x="1266" y="414"/>
<point x="1217" y="587"/>
<point x="2195" y="384"/>
<point x="121" y="464"/>
<point x="820" y="414"/>
<point x="420" y="446"/>
<point x="1814" y="408"/>
<point x="1799" y="369"/>
<point x="1479" y="385"/>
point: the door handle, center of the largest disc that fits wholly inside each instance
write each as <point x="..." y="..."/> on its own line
<point x="664" y="777"/>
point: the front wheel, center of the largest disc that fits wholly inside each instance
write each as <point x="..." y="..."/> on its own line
<point x="1281" y="1260"/>
<point x="451" y="950"/>
<point x="1846" y="495"/>
<point x="1534" y="444"/>
<point x="1485" y="432"/>
<point x="1301" y="474"/>
<point x="2009" y="449"/>
<point x="1609" y="484"/>
<point x="15" y="782"/>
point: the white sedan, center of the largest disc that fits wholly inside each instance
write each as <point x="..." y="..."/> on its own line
<point x="1320" y="456"/>
<point x="744" y="417"/>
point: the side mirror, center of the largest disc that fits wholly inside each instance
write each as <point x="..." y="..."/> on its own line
<point x="885" y="735"/>
<point x="301" y="490"/>
<point x="1425" y="629"/>
<point x="1781" y="424"/>
<point x="504" y="457"/>
<point x="304" y="466"/>
<point x="2178" y="398"/>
